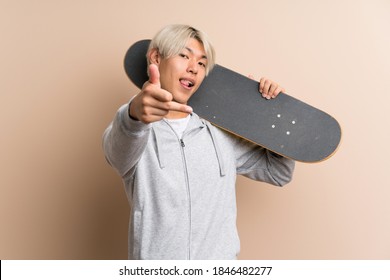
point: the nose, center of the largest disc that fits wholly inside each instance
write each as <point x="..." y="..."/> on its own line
<point x="192" y="66"/>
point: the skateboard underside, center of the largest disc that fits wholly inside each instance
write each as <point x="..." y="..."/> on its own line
<point x="231" y="101"/>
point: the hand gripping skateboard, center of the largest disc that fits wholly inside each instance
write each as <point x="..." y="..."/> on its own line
<point x="231" y="101"/>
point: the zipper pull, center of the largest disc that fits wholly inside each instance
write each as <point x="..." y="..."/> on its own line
<point x="182" y="143"/>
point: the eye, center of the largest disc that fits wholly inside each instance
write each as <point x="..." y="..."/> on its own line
<point x="184" y="55"/>
<point x="202" y="64"/>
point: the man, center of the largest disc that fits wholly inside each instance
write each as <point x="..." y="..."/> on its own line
<point x="179" y="171"/>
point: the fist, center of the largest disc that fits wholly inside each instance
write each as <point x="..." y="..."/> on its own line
<point x="154" y="103"/>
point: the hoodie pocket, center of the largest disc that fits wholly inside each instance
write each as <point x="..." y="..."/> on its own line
<point x="137" y="233"/>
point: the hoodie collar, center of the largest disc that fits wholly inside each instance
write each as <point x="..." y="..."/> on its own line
<point x="194" y="123"/>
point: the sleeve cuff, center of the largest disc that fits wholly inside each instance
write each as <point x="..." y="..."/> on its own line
<point x="129" y="125"/>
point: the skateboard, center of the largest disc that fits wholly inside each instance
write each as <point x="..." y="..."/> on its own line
<point x="231" y="101"/>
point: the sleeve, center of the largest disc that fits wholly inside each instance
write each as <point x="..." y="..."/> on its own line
<point x="124" y="141"/>
<point x="261" y="164"/>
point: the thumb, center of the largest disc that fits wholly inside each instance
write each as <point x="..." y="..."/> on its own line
<point x="154" y="75"/>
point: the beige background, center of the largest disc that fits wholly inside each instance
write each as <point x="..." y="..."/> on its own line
<point x="62" y="80"/>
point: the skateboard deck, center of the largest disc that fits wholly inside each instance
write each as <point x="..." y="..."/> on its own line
<point x="231" y="101"/>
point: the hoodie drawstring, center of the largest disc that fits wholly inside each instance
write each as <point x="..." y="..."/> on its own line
<point x="160" y="156"/>
<point x="217" y="150"/>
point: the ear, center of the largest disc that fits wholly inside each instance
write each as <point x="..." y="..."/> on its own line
<point x="154" y="56"/>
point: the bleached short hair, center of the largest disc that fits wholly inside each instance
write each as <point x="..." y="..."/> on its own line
<point x="172" y="39"/>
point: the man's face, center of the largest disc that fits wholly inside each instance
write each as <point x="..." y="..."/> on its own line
<point x="182" y="74"/>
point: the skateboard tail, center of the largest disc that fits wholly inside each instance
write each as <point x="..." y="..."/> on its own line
<point x="135" y="63"/>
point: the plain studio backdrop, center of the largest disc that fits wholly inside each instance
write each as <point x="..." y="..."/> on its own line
<point x="62" y="80"/>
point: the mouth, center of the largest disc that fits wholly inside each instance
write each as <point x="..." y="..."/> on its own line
<point x="187" y="83"/>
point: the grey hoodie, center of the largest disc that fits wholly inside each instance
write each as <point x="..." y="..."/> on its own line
<point x="182" y="191"/>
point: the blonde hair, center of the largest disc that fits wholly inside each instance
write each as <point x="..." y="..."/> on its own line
<point x="172" y="39"/>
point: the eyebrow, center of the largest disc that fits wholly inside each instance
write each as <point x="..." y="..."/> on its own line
<point x="192" y="51"/>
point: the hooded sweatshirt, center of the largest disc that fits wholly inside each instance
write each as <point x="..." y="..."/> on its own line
<point x="181" y="190"/>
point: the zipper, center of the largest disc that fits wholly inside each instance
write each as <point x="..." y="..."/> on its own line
<point x="182" y="145"/>
<point x="188" y="198"/>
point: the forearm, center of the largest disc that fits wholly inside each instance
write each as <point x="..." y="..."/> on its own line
<point x="124" y="141"/>
<point x="280" y="168"/>
<point x="263" y="165"/>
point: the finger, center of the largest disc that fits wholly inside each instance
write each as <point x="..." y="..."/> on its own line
<point x="157" y="113"/>
<point x="154" y="75"/>
<point x="175" y="106"/>
<point x="266" y="87"/>
<point x="275" y="92"/>
<point x="261" y="86"/>
<point x="161" y="95"/>
<point x="154" y="111"/>
<point x="161" y="109"/>
<point x="161" y="103"/>
<point x="272" y="90"/>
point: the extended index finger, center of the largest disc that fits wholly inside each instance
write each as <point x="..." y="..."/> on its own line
<point x="178" y="107"/>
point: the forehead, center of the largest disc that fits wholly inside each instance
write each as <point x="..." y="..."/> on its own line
<point x="196" y="48"/>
